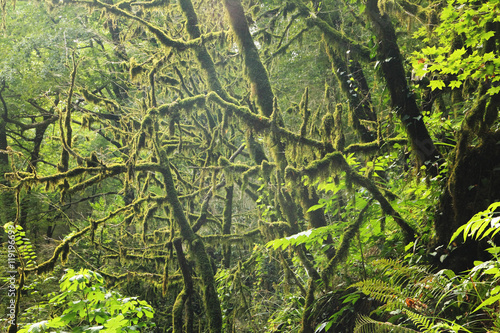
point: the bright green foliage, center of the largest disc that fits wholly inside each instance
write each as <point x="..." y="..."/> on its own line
<point x="471" y="23"/>
<point x="483" y="224"/>
<point x="85" y="305"/>
<point x="414" y="293"/>
<point x="368" y="325"/>
<point x="486" y="225"/>
<point x="25" y="250"/>
<point x="308" y="238"/>
<point x="427" y="300"/>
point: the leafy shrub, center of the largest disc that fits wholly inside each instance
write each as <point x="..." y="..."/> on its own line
<point x="415" y="298"/>
<point x="85" y="305"/>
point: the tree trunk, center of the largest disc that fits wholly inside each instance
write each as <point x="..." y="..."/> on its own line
<point x="402" y="99"/>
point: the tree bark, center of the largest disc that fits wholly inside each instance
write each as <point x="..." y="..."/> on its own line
<point x="402" y="99"/>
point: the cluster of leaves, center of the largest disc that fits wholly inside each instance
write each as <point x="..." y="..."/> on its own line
<point x="308" y="238"/>
<point x="85" y="305"/>
<point x="470" y="23"/>
<point x="414" y="297"/>
<point x="25" y="250"/>
<point x="485" y="225"/>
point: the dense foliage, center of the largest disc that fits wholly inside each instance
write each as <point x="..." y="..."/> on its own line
<point x="250" y="165"/>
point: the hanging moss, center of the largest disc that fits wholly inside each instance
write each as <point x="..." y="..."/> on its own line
<point x="339" y="140"/>
<point x="292" y="174"/>
<point x="65" y="253"/>
<point x="327" y="127"/>
<point x="95" y="99"/>
<point x="89" y="97"/>
<point x="274" y="230"/>
<point x="145" y="221"/>
<point x="304" y="110"/>
<point x="339" y="41"/>
<point x="266" y="169"/>
<point x="255" y="148"/>
<point x="244" y="180"/>
<point x="323" y="168"/>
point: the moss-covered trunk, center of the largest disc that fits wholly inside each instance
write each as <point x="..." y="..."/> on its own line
<point x="226" y="226"/>
<point x="402" y="99"/>
<point x="197" y="250"/>
<point x="7" y="201"/>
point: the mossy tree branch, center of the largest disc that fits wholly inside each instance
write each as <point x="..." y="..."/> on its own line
<point x="336" y="161"/>
<point x="183" y="300"/>
<point x="196" y="245"/>
<point x="402" y="99"/>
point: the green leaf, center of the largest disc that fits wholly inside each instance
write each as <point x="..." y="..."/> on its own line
<point x="149" y="314"/>
<point x="316" y="207"/>
<point x="436" y="84"/>
<point x="455" y="84"/>
<point x="115" y="324"/>
<point x="487" y="302"/>
<point x="487" y="35"/>
<point x="494" y="90"/>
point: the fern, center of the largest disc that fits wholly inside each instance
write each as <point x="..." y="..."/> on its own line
<point x="422" y="322"/>
<point x="416" y="281"/>
<point x="406" y="288"/>
<point x="396" y="267"/>
<point x="383" y="292"/>
<point x="401" y="274"/>
<point x="481" y="225"/>
<point x="365" y="324"/>
<point x="26" y="252"/>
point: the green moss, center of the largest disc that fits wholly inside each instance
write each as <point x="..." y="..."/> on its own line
<point x="340" y="42"/>
<point x="211" y="299"/>
<point x="254" y="69"/>
<point x="89" y="97"/>
<point x="292" y="174"/>
<point x="177" y="311"/>
<point x="323" y="168"/>
<point x="255" y="148"/>
<point x="95" y="99"/>
<point x="304" y="110"/>
<point x="266" y="169"/>
<point x="307" y="318"/>
<point x="339" y="140"/>
<point x="327" y="127"/>
<point x="273" y="230"/>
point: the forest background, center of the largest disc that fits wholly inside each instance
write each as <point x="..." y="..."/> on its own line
<point x="249" y="166"/>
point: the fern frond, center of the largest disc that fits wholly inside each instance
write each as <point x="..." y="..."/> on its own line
<point x="365" y="324"/>
<point x="422" y="322"/>
<point x="382" y="291"/>
<point x="26" y="252"/>
<point x="399" y="271"/>
<point x="413" y="281"/>
<point x="481" y="225"/>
